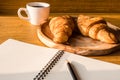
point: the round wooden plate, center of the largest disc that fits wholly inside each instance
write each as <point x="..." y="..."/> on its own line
<point x="77" y="43"/>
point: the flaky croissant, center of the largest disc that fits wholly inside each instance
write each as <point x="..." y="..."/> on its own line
<point x="61" y="28"/>
<point x="96" y="28"/>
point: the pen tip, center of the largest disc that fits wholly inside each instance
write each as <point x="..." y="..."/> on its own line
<point x="67" y="61"/>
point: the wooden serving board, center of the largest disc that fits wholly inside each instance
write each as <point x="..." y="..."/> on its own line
<point x="77" y="43"/>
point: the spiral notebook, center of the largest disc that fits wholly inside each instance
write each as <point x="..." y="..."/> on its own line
<point x="23" y="61"/>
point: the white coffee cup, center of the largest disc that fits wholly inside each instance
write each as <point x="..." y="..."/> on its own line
<point x="37" y="12"/>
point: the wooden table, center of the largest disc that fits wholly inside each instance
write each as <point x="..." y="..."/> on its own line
<point x="15" y="28"/>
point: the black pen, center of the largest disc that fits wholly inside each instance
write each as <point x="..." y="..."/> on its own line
<point x="72" y="71"/>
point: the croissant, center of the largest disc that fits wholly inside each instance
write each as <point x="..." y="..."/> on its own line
<point x="96" y="28"/>
<point x="61" y="28"/>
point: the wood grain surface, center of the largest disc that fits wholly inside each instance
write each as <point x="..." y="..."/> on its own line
<point x="10" y="7"/>
<point x="15" y="28"/>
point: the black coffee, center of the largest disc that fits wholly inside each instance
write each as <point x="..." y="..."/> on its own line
<point x="38" y="6"/>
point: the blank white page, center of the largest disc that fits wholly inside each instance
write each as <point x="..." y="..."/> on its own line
<point x="22" y="61"/>
<point x="92" y="69"/>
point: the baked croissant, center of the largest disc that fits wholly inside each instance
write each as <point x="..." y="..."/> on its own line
<point x="96" y="28"/>
<point x="61" y="28"/>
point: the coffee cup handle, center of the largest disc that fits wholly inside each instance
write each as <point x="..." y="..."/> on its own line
<point x="21" y="16"/>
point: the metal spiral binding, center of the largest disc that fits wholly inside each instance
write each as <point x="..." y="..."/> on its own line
<point x="42" y="74"/>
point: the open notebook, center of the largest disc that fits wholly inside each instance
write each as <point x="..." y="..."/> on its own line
<point x="22" y="61"/>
